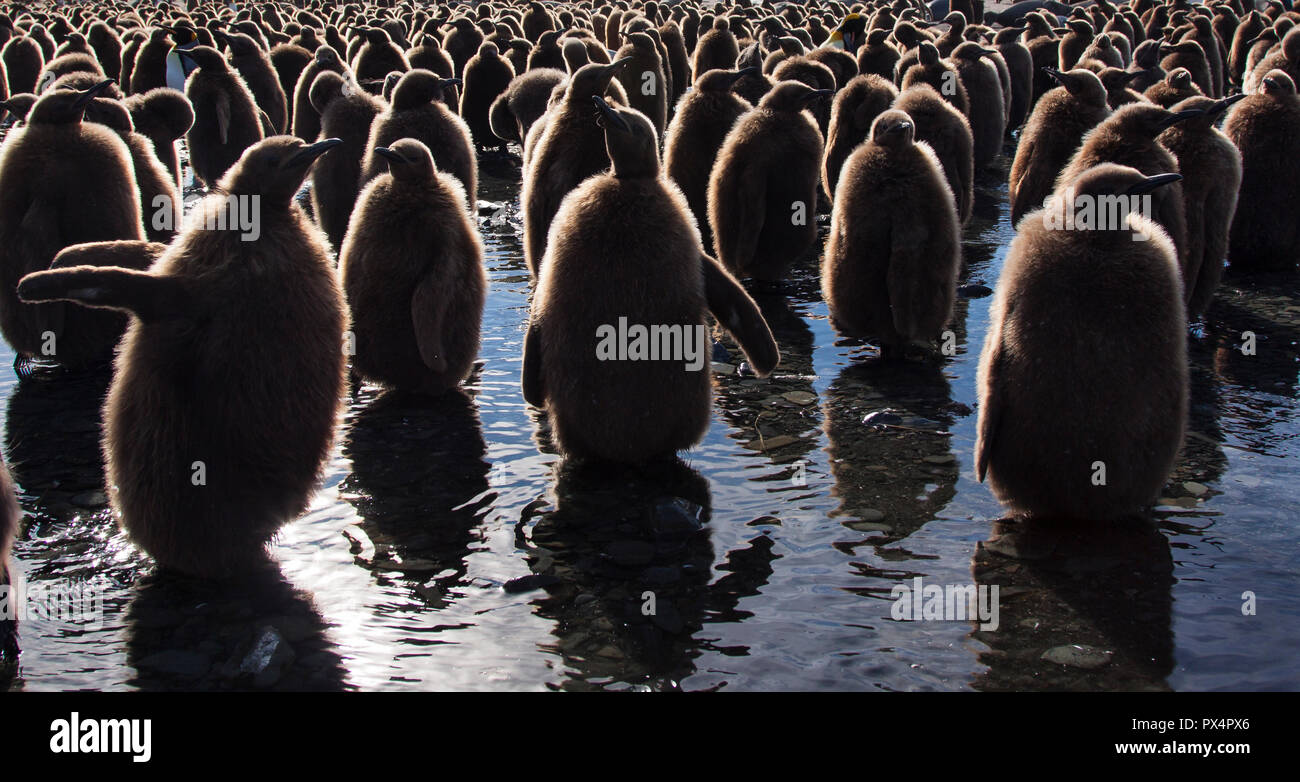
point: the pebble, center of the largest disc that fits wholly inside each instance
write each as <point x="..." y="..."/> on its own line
<point x="724" y="369"/>
<point x="90" y="499"/>
<point x="529" y="583"/>
<point x="1078" y="656"/>
<point x="803" y="398"/>
<point x="1195" y="489"/>
<point x="942" y="458"/>
<point x="771" y="443"/>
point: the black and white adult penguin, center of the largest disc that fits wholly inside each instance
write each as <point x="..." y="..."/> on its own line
<point x="412" y="271"/>
<point x="568" y="150"/>
<point x="1211" y="167"/>
<point x="629" y="234"/>
<point x="1082" y="416"/>
<point x="763" y="189"/>
<point x="1265" y="234"/>
<point x="891" y="263"/>
<point x="215" y="432"/>
<point x="226" y="118"/>
<point x="63" y="181"/>
<point x="701" y="122"/>
<point x="416" y="112"/>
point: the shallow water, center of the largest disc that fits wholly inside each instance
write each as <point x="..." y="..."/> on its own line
<point x="447" y="550"/>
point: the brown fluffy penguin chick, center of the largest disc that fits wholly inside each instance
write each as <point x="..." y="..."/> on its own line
<point x="943" y="77"/>
<point x="1265" y="232"/>
<point x="568" y="149"/>
<point x="856" y="106"/>
<point x="228" y="382"/>
<point x="226" y="117"/>
<point x="878" y="55"/>
<point x="487" y="75"/>
<point x="1176" y="87"/>
<point x="416" y="112"/>
<point x="643" y="78"/>
<point x="1128" y="137"/>
<point x="1054" y="131"/>
<point x="891" y="263"/>
<point x="254" y="67"/>
<point x="347" y="113"/>
<point x="702" y="120"/>
<point x="306" y="120"/>
<point x="412" y="271"/>
<point x="1020" y="70"/>
<point x="628" y="233"/>
<point x="1211" y="181"/>
<point x="63" y="181"/>
<point x="987" y="113"/>
<point x="524" y="102"/>
<point x="716" y="50"/>
<point x="946" y="131"/>
<point x="1117" y="82"/>
<point x="164" y="115"/>
<point x="160" y="199"/>
<point x="1188" y="54"/>
<point x="763" y="189"/>
<point x="1082" y="416"/>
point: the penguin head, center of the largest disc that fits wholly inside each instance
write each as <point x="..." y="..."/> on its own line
<point x="851" y="30"/>
<point x="893" y="129"/>
<point x="204" y="57"/>
<point x="1148" y="120"/>
<point x="791" y="96"/>
<point x="274" y="168"/>
<point x="1291" y="46"/>
<point x="1080" y="27"/>
<point x="240" y="44"/>
<point x="1116" y="78"/>
<point x="64" y="107"/>
<point x="877" y="37"/>
<point x="1182" y="47"/>
<point x="956" y="20"/>
<point x="159" y="34"/>
<point x="409" y="160"/>
<point x="1212" y="110"/>
<point x="17" y="107"/>
<point x="1180" y="79"/>
<point x="1111" y="179"/>
<point x="111" y="114"/>
<point x="1147" y="55"/>
<point x="326" y="57"/>
<point x="390" y="84"/>
<point x="575" y="54"/>
<point x="971" y="51"/>
<point x="630" y="140"/>
<point x="927" y="53"/>
<point x="1081" y="83"/>
<point x="420" y="87"/>
<point x="376" y="36"/>
<point x="719" y="80"/>
<point x="327" y="86"/>
<point x="592" y="80"/>
<point x="1277" y="83"/>
<point x="489" y="51"/>
<point x="161" y="109"/>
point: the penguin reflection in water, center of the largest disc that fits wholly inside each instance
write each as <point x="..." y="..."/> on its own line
<point x="1081" y="417"/>
<point x="228" y="381"/>
<point x="629" y="234"/>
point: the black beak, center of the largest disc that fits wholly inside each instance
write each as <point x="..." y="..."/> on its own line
<point x="445" y="83"/>
<point x="743" y="72"/>
<point x="1153" y="182"/>
<point x="609" y="117"/>
<point x="308" y="154"/>
<point x="1055" y="74"/>
<point x="392" y="156"/>
<point x="1181" y="116"/>
<point x="84" y="101"/>
<point x="815" y="95"/>
<point x="1223" y="105"/>
<point x="1129" y="76"/>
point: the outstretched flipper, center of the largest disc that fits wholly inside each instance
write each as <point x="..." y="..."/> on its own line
<point x="740" y="316"/>
<point x="428" y="305"/>
<point x="534" y="387"/>
<point x="148" y="297"/>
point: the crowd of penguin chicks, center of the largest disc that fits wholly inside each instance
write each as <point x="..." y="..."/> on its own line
<point x="668" y="151"/>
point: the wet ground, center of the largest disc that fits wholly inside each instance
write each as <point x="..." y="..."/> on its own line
<point x="449" y="549"/>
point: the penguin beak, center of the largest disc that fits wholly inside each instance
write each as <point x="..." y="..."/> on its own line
<point x="610" y="117"/>
<point x="1153" y="182"/>
<point x="1223" y="105"/>
<point x="1181" y="116"/>
<point x="82" y="102"/>
<point x="988" y="52"/>
<point x="616" y="66"/>
<point x="815" y="95"/>
<point x="1129" y="76"/>
<point x="743" y="72"/>
<point x="392" y="156"/>
<point x="308" y="154"/>
<point x="1055" y="74"/>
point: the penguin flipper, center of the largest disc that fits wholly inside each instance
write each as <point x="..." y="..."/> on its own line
<point x="740" y="316"/>
<point x="149" y="297"/>
<point x="750" y="212"/>
<point x="428" y="303"/>
<point x="223" y="116"/>
<point x="991" y="412"/>
<point x="534" y="388"/>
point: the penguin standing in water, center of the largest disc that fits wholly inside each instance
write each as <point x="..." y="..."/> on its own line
<point x="228" y="383"/>
<point x="1211" y="169"/>
<point x="347" y="113"/>
<point x="940" y="75"/>
<point x="416" y="112"/>
<point x="1020" y="69"/>
<point x="1128" y="137"/>
<point x="763" y="188"/>
<point x="63" y="181"/>
<point x="164" y="115"/>
<point x="1054" y="131"/>
<point x="487" y="75"/>
<point x="946" y="131"/>
<point x="1082" y="416"/>
<point x="412" y="271"/>
<point x="10" y="515"/>
<point x="987" y="113"/>
<point x="628" y="233"/>
<point x="1265" y="233"/>
<point x="524" y="102"/>
<point x="568" y="150"/>
<point x="160" y="199"/>
<point x="891" y="263"/>
<point x="226" y="118"/>
<point x="855" y="109"/>
<point x="702" y="120"/>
